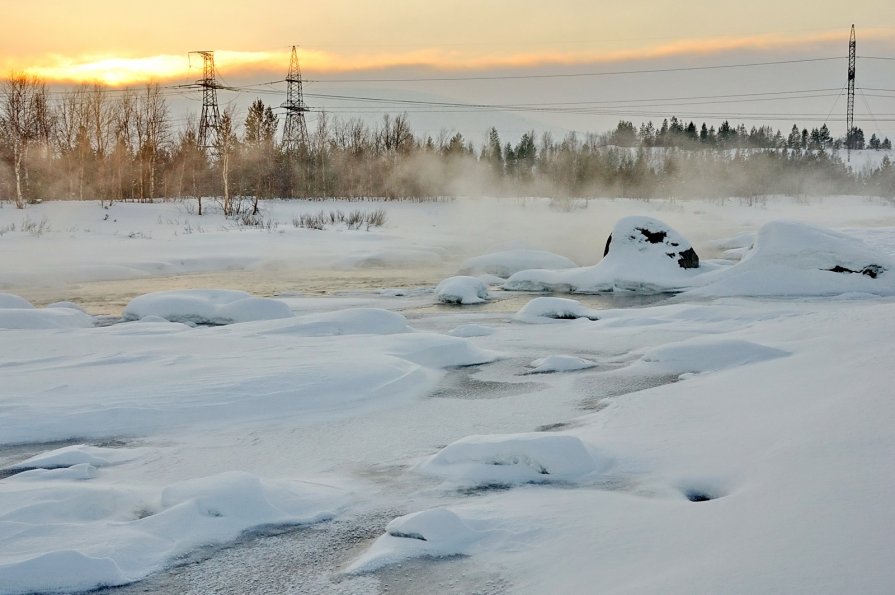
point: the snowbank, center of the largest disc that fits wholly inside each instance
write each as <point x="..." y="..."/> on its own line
<point x="206" y="306"/>
<point x="438" y="351"/>
<point x="43" y="318"/>
<point x="505" y="263"/>
<point x="642" y="254"/>
<point x="461" y="290"/>
<point x="8" y="300"/>
<point x="17" y="313"/>
<point x="550" y="309"/>
<point x="79" y="454"/>
<point x="706" y="355"/>
<point x="514" y="459"/>
<point x="793" y="258"/>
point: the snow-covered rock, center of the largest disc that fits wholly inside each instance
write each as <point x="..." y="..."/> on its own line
<point x="559" y="363"/>
<point x="505" y="263"/>
<point x="461" y="290"/>
<point x="550" y="309"/>
<point x="514" y="459"/>
<point x="793" y="258"/>
<point x="206" y="306"/>
<point x="642" y="254"/>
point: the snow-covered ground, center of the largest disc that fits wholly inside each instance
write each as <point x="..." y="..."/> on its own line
<point x="732" y="438"/>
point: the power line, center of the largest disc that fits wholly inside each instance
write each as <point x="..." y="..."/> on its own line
<point x="575" y="74"/>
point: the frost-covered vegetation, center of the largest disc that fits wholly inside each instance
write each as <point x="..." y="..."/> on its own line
<point x="92" y="144"/>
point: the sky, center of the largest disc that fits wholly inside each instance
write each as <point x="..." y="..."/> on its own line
<point x="117" y="43"/>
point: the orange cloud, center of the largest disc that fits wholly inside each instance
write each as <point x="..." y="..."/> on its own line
<point x="119" y="71"/>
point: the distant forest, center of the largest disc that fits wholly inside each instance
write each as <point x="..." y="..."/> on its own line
<point x="93" y="143"/>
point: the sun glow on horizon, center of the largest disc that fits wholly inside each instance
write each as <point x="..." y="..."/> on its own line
<point x="116" y="71"/>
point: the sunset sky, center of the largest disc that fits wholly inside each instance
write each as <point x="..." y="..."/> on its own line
<point x="121" y="43"/>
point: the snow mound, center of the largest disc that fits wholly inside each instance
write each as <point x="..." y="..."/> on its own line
<point x="30" y="318"/>
<point x="80" y="472"/>
<point x="352" y="321"/>
<point x="69" y="305"/>
<point x="514" y="459"/>
<point x="206" y="306"/>
<point x="79" y="454"/>
<point x="471" y="330"/>
<point x="8" y="300"/>
<point x="438" y="351"/>
<point x="707" y="355"/>
<point x="435" y="533"/>
<point x="793" y="258"/>
<point x="505" y="263"/>
<point x="559" y="363"/>
<point x="642" y="254"/>
<point x="549" y="309"/>
<point x="82" y="535"/>
<point x="461" y="290"/>
<point x="60" y="571"/>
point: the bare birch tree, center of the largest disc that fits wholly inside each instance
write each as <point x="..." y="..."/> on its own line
<point x="24" y="120"/>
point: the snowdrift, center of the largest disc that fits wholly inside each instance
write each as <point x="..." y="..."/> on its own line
<point x="206" y="306"/>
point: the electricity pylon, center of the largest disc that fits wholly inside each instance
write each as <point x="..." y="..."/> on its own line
<point x="295" y="131"/>
<point x="850" y="110"/>
<point x="211" y="117"/>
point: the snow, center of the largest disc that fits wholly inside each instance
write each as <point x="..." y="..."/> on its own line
<point x="514" y="459"/>
<point x="505" y="263"/>
<point x="472" y="330"/>
<point x="206" y="306"/>
<point x="793" y="258"/>
<point x="553" y="309"/>
<point x="8" y="300"/>
<point x="732" y="438"/>
<point x="559" y="363"/>
<point x="461" y="290"/>
<point x="81" y="454"/>
<point x="43" y="318"/>
<point x="437" y="532"/>
<point x="133" y="533"/>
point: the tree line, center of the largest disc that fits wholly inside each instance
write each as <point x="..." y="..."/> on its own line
<point x="92" y="143"/>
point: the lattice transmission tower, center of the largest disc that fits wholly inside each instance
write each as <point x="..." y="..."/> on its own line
<point x="295" y="131"/>
<point x="850" y="113"/>
<point x="210" y="119"/>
